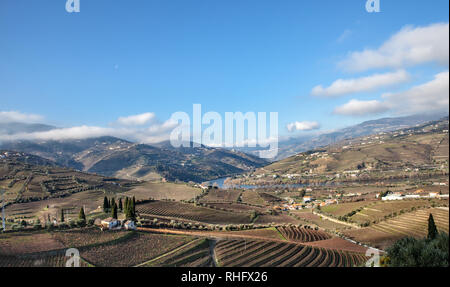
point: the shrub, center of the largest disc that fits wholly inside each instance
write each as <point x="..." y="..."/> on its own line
<point x="412" y="252"/>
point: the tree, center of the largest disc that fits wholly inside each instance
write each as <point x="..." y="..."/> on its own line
<point x="120" y="204"/>
<point x="114" y="210"/>
<point x="81" y="215"/>
<point x="134" y="207"/>
<point x="130" y="209"/>
<point x="62" y="215"/>
<point x="412" y="252"/>
<point x="105" y="204"/>
<point x="432" y="229"/>
<point x="127" y="203"/>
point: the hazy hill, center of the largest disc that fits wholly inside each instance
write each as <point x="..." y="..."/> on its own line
<point x="116" y="157"/>
<point x="27" y="177"/>
<point x="412" y="152"/>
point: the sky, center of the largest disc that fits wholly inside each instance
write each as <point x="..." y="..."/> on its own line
<point x="322" y="65"/>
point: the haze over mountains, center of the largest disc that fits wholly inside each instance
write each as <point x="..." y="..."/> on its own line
<point x="111" y="156"/>
<point x="296" y="145"/>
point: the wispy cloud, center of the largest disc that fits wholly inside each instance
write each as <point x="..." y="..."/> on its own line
<point x="429" y="97"/>
<point x="346" y="34"/>
<point x="15" y="116"/>
<point x="144" y="128"/>
<point x="425" y="98"/>
<point x="302" y="126"/>
<point x="342" y="87"/>
<point x="361" y="108"/>
<point x="136" y="120"/>
<point x="410" y="46"/>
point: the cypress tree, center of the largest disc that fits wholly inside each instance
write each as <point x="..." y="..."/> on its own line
<point x="81" y="215"/>
<point x="105" y="204"/>
<point x="114" y="211"/>
<point x="120" y="204"/>
<point x="127" y="204"/>
<point x="134" y="207"/>
<point x="432" y="229"/>
<point x="62" y="215"/>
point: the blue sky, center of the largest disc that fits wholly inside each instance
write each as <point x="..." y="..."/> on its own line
<point x="120" y="58"/>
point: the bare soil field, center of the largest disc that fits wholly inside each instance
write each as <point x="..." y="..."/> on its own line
<point x="160" y="190"/>
<point x="91" y="200"/>
<point x="191" y="212"/>
<point x="193" y="254"/>
<point x="253" y="197"/>
<point x="311" y="218"/>
<point x="83" y="237"/>
<point x="276" y="219"/>
<point x="135" y="249"/>
<point x="27" y="242"/>
<point x="237" y="207"/>
<point x="221" y="195"/>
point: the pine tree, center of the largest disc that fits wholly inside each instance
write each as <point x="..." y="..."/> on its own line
<point x="120" y="204"/>
<point x="105" y="204"/>
<point x="432" y="229"/>
<point x="81" y="215"/>
<point x="62" y="215"/>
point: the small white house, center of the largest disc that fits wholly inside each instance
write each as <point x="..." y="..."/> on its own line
<point x="307" y="199"/>
<point x="129" y="225"/>
<point x="110" y="223"/>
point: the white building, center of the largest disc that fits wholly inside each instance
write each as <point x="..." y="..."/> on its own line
<point x="110" y="223"/>
<point x="129" y="225"/>
<point x="392" y="197"/>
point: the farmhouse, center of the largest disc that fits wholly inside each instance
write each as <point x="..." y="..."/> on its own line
<point x="110" y="223"/>
<point x="129" y="225"/>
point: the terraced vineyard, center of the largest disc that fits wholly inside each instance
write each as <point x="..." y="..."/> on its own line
<point x="42" y="259"/>
<point x="191" y="212"/>
<point x="193" y="254"/>
<point x="378" y="211"/>
<point x="413" y="224"/>
<point x="301" y="234"/>
<point x="278" y="254"/>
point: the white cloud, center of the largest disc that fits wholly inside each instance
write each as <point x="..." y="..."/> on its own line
<point x="133" y="129"/>
<point x="349" y="86"/>
<point x="136" y="120"/>
<point x="15" y="116"/>
<point x="302" y="126"/>
<point x="410" y="46"/>
<point x="426" y="98"/>
<point x="347" y="33"/>
<point x="361" y="108"/>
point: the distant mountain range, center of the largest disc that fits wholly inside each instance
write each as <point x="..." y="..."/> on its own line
<point x="112" y="156"/>
<point x="294" y="146"/>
